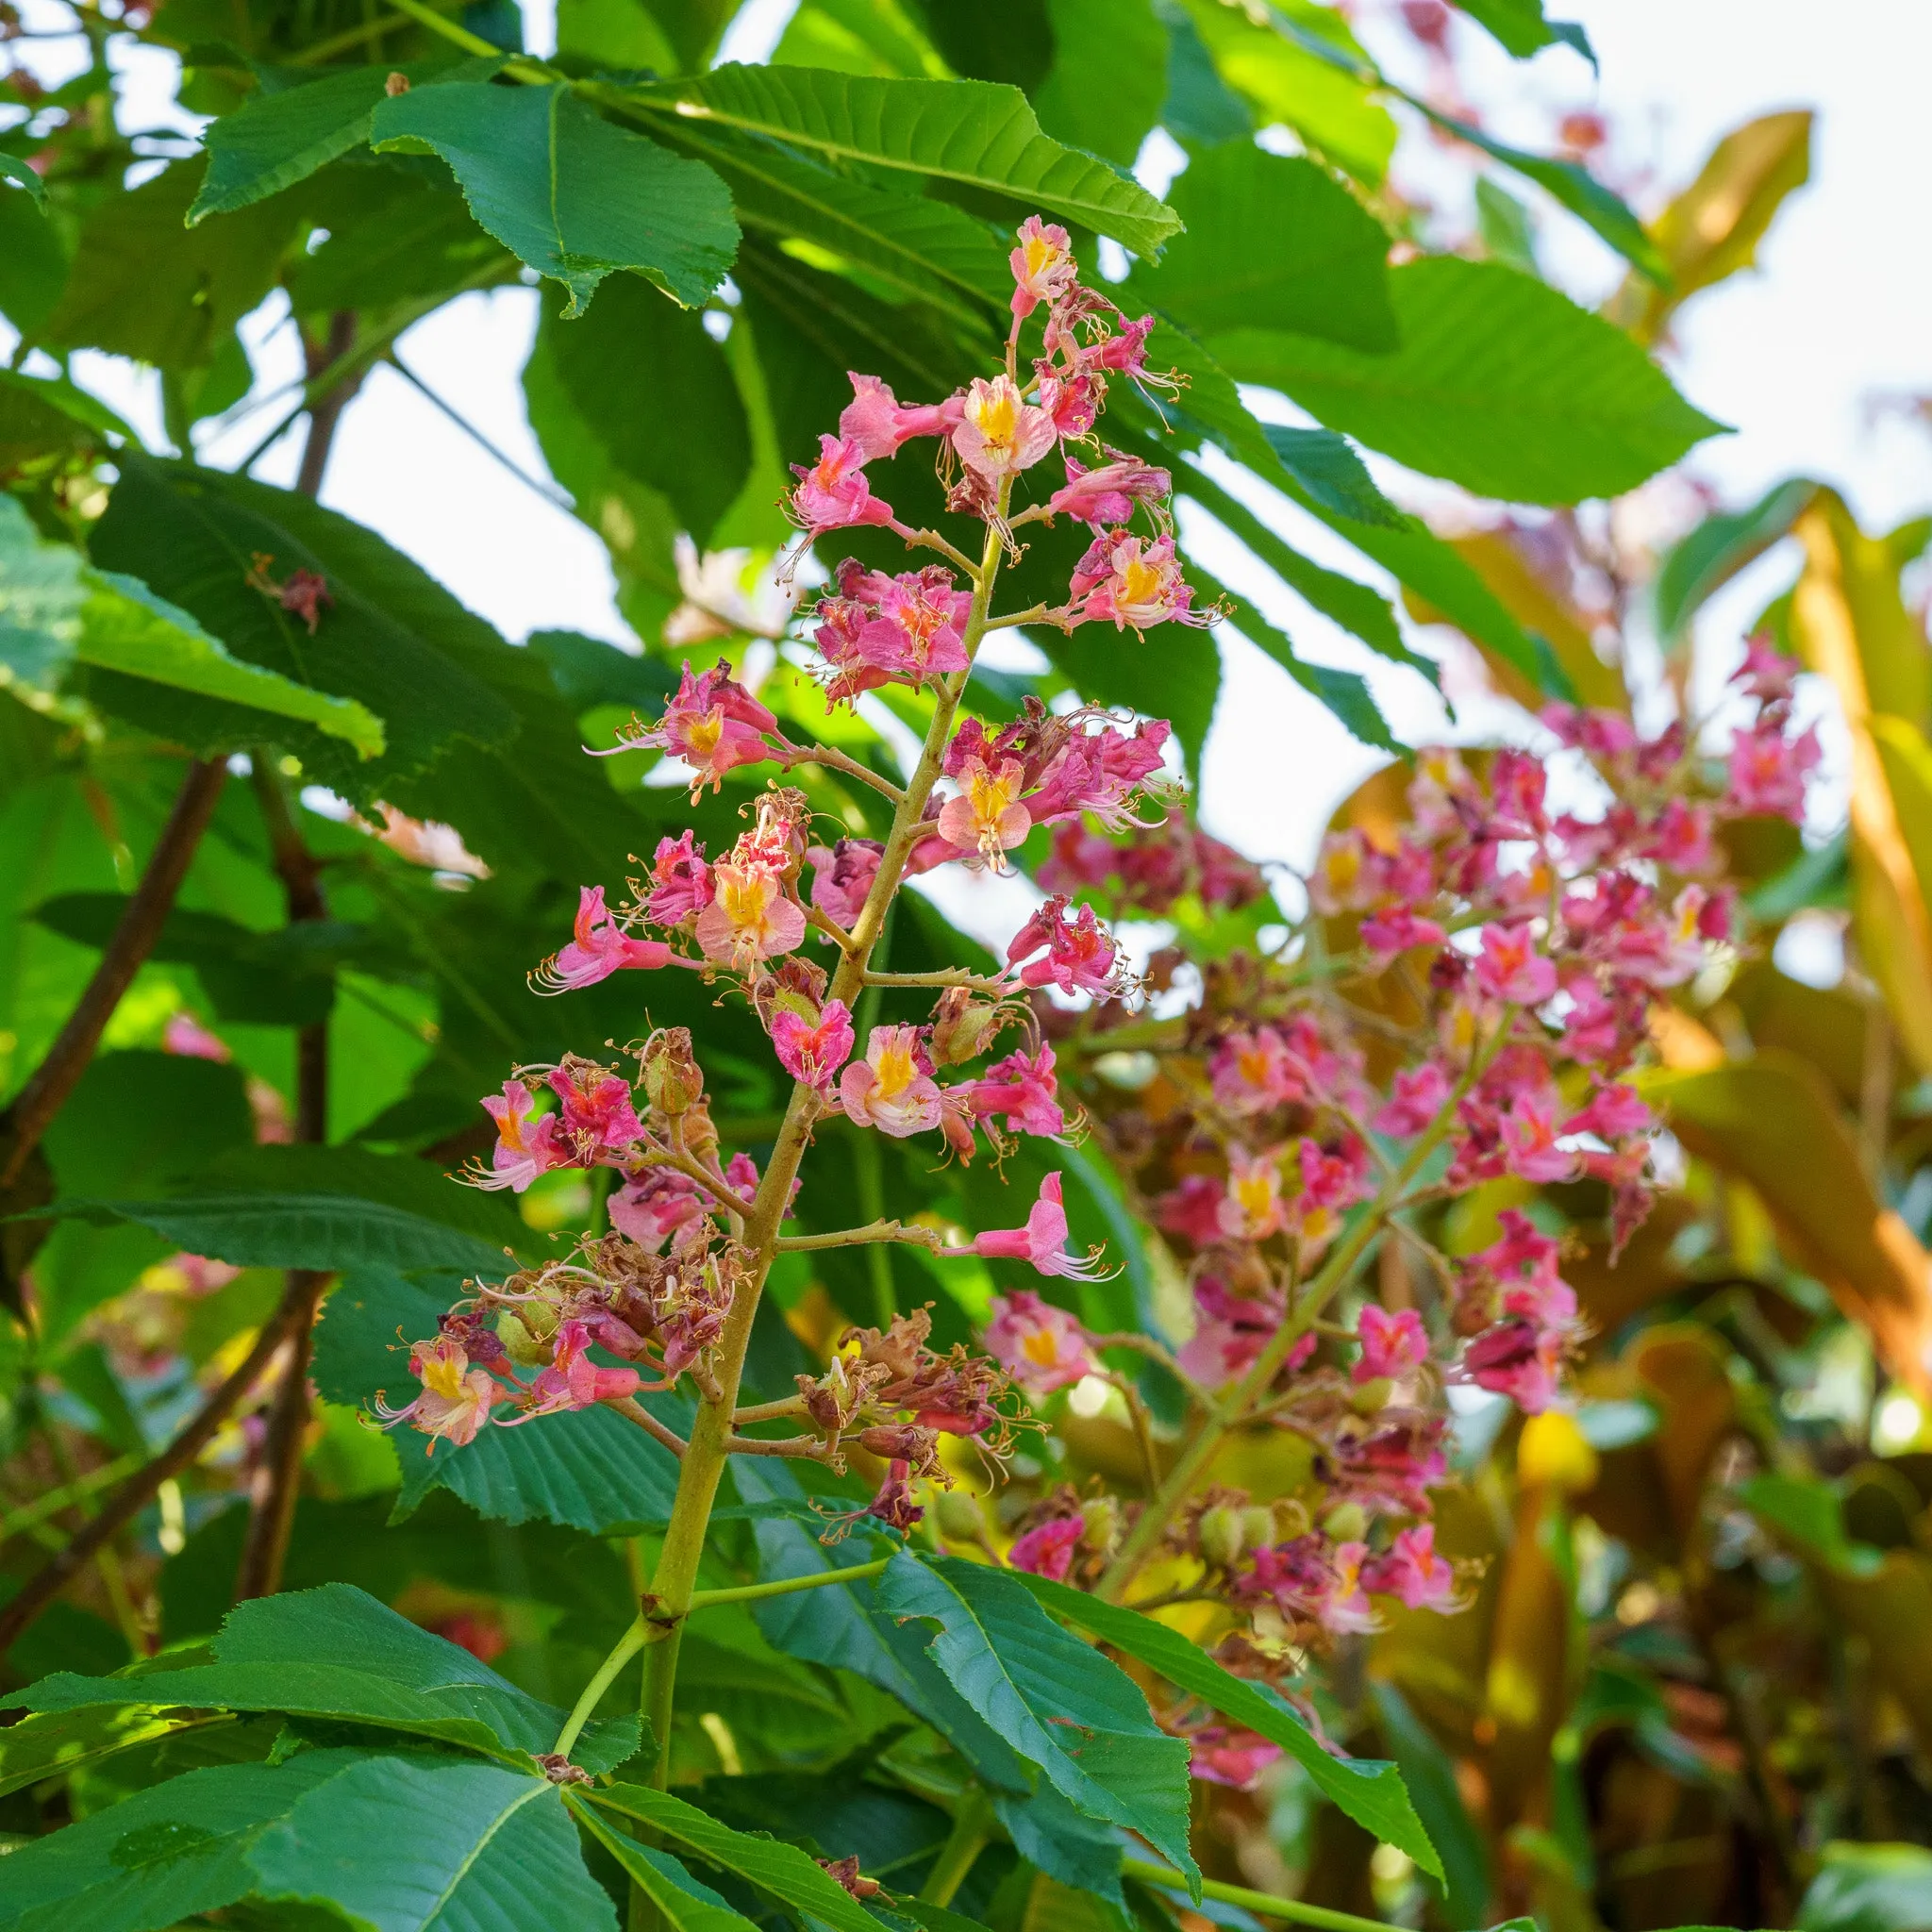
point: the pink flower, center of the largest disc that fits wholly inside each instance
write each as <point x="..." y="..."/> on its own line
<point x="1766" y="672"/>
<point x="893" y="1088"/>
<point x="185" y="1036"/>
<point x="749" y="917"/>
<point x="999" y="434"/>
<point x="1411" y="1569"/>
<point x="1231" y="1331"/>
<point x="525" y="1139"/>
<point x="1416" y="1098"/>
<point x="1511" y="968"/>
<point x="833" y="494"/>
<point x="456" y="1399"/>
<point x="813" y="1054"/>
<point x="1518" y="1359"/>
<point x="875" y="425"/>
<point x="1252" y="1071"/>
<point x="1395" y="929"/>
<point x="986" y="816"/>
<point x="1042" y="1240"/>
<point x="652" y="1206"/>
<point x="572" y="1380"/>
<point x="1109" y="494"/>
<point x="841" y="878"/>
<point x="600" y="948"/>
<point x="1135" y="583"/>
<point x="1252" y="1210"/>
<point x="1613" y="1112"/>
<point x="1022" y="1091"/>
<point x="1312" y="1577"/>
<point x="1395" y="1346"/>
<point x="597" y="1115"/>
<point x="713" y="723"/>
<point x="1224" y="1755"/>
<point x="1041" y="1347"/>
<point x="1042" y="264"/>
<point x="1100" y="773"/>
<point x="1081" y="956"/>
<point x="1681" y="837"/>
<point x="1767" y="770"/>
<point x="918" y="626"/>
<point x="1333" y="1180"/>
<point x="1529" y="1133"/>
<point x="1047" y="1549"/>
<point x="1193" y="1210"/>
<point x="680" y="881"/>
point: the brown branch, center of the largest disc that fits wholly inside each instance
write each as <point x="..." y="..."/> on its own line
<point x="133" y="940"/>
<point x="633" y="1411"/>
<point x="139" y="1490"/>
<point x="326" y="412"/>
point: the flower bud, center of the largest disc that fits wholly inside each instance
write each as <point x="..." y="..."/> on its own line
<point x="1365" y="1398"/>
<point x="1101" y="1516"/>
<point x="673" y="1078"/>
<point x="962" y="1026"/>
<point x="960" y="1517"/>
<point x="1292" y="1519"/>
<point x="795" y="985"/>
<point x="523" y="1347"/>
<point x="1347" y="1522"/>
<point x="1258" y="1524"/>
<point x="1221" y="1534"/>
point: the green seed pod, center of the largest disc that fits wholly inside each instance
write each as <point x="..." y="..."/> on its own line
<point x="1222" y="1535"/>
<point x="1102" y="1518"/>
<point x="523" y="1347"/>
<point x="959" y="1516"/>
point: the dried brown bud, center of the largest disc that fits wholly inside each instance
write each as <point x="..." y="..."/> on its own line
<point x="848" y="1873"/>
<point x="397" y="84"/>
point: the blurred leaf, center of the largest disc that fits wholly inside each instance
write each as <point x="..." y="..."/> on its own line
<point x="1868" y="1887"/>
<point x="57" y="1744"/>
<point x="1713" y="229"/>
<point x="1429" y="1776"/>
<point x="15" y="169"/>
<point x="573" y="196"/>
<point x="1721" y="546"/>
<point x="1103" y="93"/>
<point x="966" y="131"/>
<point x="1772" y="1122"/>
<point x="1500" y="384"/>
<point x="1519" y="26"/>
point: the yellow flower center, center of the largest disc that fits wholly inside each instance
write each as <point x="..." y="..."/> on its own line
<point x="1043" y="1346"/>
<point x="704" y="734"/>
<point x="442" y="1376"/>
<point x="993" y="792"/>
<point x="995" y="412"/>
<point x="1040" y="255"/>
<point x="1140" y="581"/>
<point x="894" y="1072"/>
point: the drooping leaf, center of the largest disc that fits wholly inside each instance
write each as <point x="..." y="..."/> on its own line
<point x="782" y="1869"/>
<point x="570" y="194"/>
<point x="1372" y="1794"/>
<point x="1500" y="384"/>
<point x="1057" y="1701"/>
<point x="337" y="1653"/>
<point x="977" y="134"/>
<point x="1272" y="242"/>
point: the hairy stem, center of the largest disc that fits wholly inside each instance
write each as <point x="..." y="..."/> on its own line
<point x="141" y="920"/>
<point x="751" y="1592"/>
<point x="1266" y="1903"/>
<point x="710" y="1437"/>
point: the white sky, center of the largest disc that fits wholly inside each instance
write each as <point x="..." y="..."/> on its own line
<point x="1789" y="354"/>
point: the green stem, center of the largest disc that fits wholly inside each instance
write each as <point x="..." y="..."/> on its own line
<point x="1266" y="1903"/>
<point x="626" y="1647"/>
<point x="868" y="1167"/>
<point x="751" y="1592"/>
<point x="704" y="1461"/>
<point x="1312" y="1298"/>
<point x="972" y="1828"/>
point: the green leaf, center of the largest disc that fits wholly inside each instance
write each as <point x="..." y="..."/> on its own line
<point x="1055" y="1699"/>
<point x="53" y="413"/>
<point x="143" y="285"/>
<point x="1327" y="467"/>
<point x="782" y="1869"/>
<point x="970" y="131"/>
<point x="1369" y="1792"/>
<point x="325" y="1208"/>
<point x="56" y="1742"/>
<point x="1519" y="26"/>
<point x="1429" y="1773"/>
<point x="15" y="169"/>
<point x="1106" y="88"/>
<point x="337" y="1653"/>
<point x="593" y="1471"/>
<point x="683" y="432"/>
<point x="457" y="1848"/>
<point x="1868" y="1887"/>
<point x="1322" y="272"/>
<point x="685" y="1904"/>
<point x="1501" y="384"/>
<point x="282" y="135"/>
<point x="571" y="196"/>
<point x="193" y="536"/>
<point x="1713" y="553"/>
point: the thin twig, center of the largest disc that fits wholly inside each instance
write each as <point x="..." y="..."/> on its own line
<point x="632" y="1410"/>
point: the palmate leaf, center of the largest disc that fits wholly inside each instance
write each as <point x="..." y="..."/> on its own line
<point x="401" y="1844"/>
<point x="1372" y="1794"/>
<point x="1057" y="1699"/>
<point x="1500" y="384"/>
<point x="970" y="131"/>
<point x="571" y="196"/>
<point x="338" y="1653"/>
